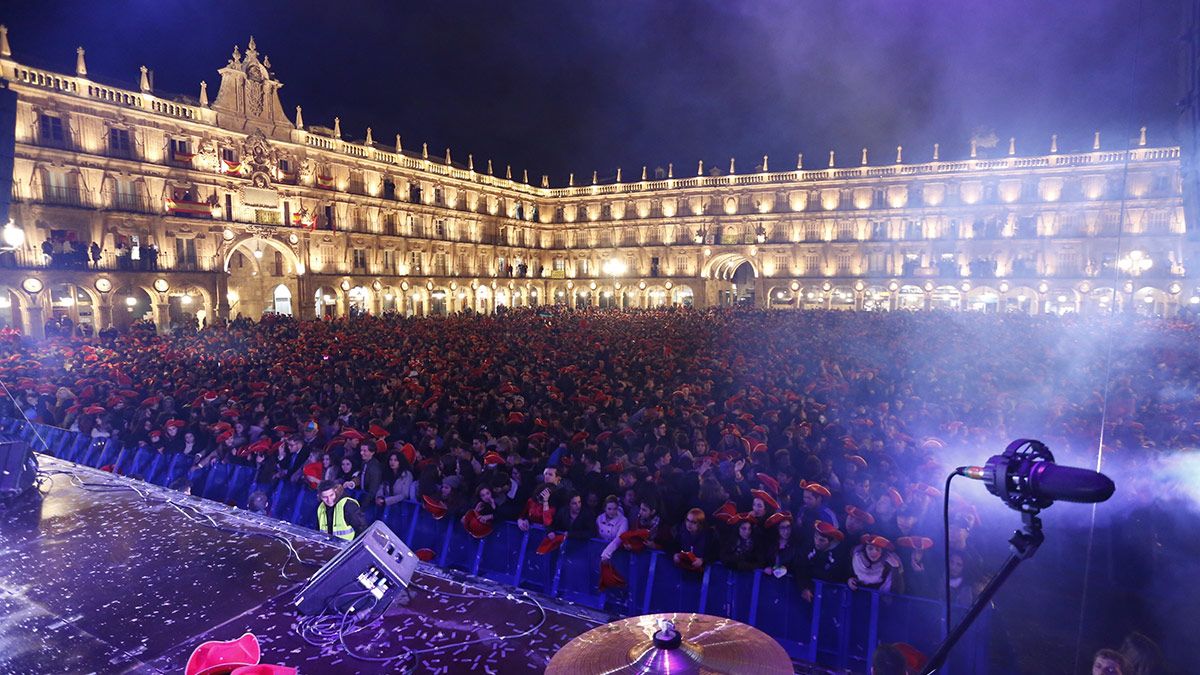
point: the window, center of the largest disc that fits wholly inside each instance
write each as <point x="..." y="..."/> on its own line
<point x="439" y="227"/>
<point x="812" y="264"/>
<point x="229" y="155"/>
<point x="414" y="262"/>
<point x="389" y="223"/>
<point x="389" y="261"/>
<point x="582" y="266"/>
<point x="360" y="259"/>
<point x="844" y="260"/>
<point x="812" y="232"/>
<point x="50" y="131"/>
<point x="180" y="150"/>
<point x="118" y="143"/>
<point x="439" y="264"/>
<point x="185" y="253"/>
<point x="278" y="264"/>
<point x="845" y="231"/>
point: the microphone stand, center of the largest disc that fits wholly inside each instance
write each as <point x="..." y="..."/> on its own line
<point x="1025" y="543"/>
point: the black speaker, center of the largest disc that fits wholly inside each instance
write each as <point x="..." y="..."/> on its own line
<point x="18" y="469"/>
<point x="376" y="562"/>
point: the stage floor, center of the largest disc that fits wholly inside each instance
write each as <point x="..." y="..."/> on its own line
<point x="95" y="577"/>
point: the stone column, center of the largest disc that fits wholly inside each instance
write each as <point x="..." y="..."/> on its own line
<point x="162" y="315"/>
<point x="35" y="323"/>
<point x="104" y="310"/>
<point x="221" y="299"/>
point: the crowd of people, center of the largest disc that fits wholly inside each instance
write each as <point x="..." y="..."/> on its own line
<point x="809" y="444"/>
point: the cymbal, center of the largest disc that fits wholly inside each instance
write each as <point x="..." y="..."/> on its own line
<point x="676" y="643"/>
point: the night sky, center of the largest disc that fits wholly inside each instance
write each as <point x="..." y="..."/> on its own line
<point x="582" y="86"/>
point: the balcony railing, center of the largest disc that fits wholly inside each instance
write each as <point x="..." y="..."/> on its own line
<point x="131" y="203"/>
<point x="63" y="196"/>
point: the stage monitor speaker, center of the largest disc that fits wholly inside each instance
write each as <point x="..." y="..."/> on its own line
<point x="377" y="561"/>
<point x="18" y="469"/>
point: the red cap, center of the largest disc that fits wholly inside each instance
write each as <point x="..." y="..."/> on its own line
<point x="766" y="497"/>
<point x="876" y="540"/>
<point x="492" y="459"/>
<point x="855" y="512"/>
<point x="609" y="577"/>
<point x="377" y="431"/>
<point x="550" y="543"/>
<point x="816" y="488"/>
<point x="216" y="656"/>
<point x="916" y="543"/>
<point x="425" y="554"/>
<point x="768" y="483"/>
<point x="434" y="506"/>
<point x="828" y="530"/>
<point x="777" y="518"/>
<point x="635" y="540"/>
<point x="726" y="513"/>
<point x="476" y="527"/>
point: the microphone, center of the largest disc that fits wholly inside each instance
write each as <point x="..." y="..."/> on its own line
<point x="1026" y="477"/>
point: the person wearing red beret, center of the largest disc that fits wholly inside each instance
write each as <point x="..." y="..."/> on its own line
<point x="814" y="496"/>
<point x="742" y="551"/>
<point x="782" y="548"/>
<point x="823" y="559"/>
<point x="875" y="566"/>
<point x="541" y="506"/>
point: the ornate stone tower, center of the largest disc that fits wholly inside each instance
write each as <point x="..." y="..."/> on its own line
<point x="249" y="97"/>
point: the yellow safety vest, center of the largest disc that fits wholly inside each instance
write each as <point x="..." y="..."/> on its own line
<point x="341" y="529"/>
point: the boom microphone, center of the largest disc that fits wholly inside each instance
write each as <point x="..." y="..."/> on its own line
<point x="1026" y="477"/>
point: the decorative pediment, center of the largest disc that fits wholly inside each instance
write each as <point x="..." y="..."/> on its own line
<point x="249" y="96"/>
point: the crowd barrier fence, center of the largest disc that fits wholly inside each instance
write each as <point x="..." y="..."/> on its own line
<point x="838" y="629"/>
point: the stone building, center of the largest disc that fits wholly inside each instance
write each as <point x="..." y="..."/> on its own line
<point x="223" y="205"/>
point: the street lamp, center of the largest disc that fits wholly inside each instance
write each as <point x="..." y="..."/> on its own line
<point x="614" y="267"/>
<point x="12" y="235"/>
<point x="1135" y="262"/>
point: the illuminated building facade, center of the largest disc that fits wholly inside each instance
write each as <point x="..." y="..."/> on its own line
<point x="224" y="204"/>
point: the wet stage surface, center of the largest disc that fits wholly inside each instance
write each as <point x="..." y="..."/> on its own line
<point x="95" y="577"/>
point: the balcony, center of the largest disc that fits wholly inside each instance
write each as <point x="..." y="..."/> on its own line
<point x="63" y="196"/>
<point x="128" y="203"/>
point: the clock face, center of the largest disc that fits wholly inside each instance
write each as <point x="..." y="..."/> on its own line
<point x="103" y="285"/>
<point x="32" y="285"/>
<point x="161" y="285"/>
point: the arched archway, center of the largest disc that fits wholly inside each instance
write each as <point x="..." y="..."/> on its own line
<point x="12" y="308"/>
<point x="131" y="304"/>
<point x="256" y="267"/>
<point x="282" y="300"/>
<point x="725" y="265"/>
<point x="325" y="302"/>
<point x="73" y="308"/>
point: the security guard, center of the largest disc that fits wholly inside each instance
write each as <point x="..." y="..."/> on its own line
<point x="347" y="521"/>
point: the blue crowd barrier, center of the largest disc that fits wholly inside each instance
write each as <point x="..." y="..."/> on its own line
<point x="837" y="628"/>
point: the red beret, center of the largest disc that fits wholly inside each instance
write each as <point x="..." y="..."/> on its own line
<point x="828" y="530"/>
<point x="609" y="577"/>
<point x="862" y="515"/>
<point x="580" y="436"/>
<point x="766" y="497"/>
<point x="858" y="460"/>
<point x="816" y="488"/>
<point x="377" y="431"/>
<point x="777" y="518"/>
<point x="492" y="458"/>
<point x="516" y="418"/>
<point x="917" y="543"/>
<point x="434" y="506"/>
<point x="476" y="527"/>
<point x="425" y="554"/>
<point x="550" y="543"/>
<point x="768" y="482"/>
<point x="225" y="435"/>
<point x="876" y="540"/>
<point x="635" y="540"/>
